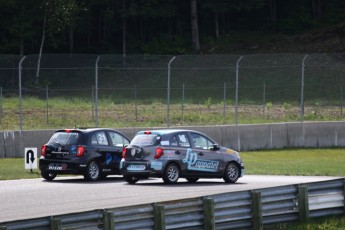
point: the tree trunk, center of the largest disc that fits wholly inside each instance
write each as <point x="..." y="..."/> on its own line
<point x="316" y="7"/>
<point x="124" y="29"/>
<point x="216" y="22"/>
<point x="273" y="9"/>
<point x="41" y="46"/>
<point x="195" y="29"/>
<point x="71" y="39"/>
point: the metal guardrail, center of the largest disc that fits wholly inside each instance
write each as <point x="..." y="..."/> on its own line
<point x="245" y="209"/>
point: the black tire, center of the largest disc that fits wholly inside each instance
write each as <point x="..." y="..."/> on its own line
<point x="48" y="176"/>
<point x="171" y="174"/>
<point x="131" y="179"/>
<point x="192" y="179"/>
<point x="231" y="173"/>
<point x="93" y="171"/>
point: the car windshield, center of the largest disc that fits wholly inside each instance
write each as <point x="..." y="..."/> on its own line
<point x="146" y="140"/>
<point x="64" y="138"/>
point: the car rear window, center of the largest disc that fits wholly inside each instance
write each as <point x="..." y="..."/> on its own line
<point x="65" y="138"/>
<point x="146" y="140"/>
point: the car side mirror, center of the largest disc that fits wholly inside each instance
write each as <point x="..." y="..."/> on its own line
<point x="215" y="147"/>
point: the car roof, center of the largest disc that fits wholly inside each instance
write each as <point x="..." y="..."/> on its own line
<point x="166" y="131"/>
<point x="85" y="130"/>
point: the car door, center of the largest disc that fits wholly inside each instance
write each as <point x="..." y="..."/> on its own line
<point x="179" y="144"/>
<point x="101" y="144"/>
<point x="117" y="142"/>
<point x="202" y="159"/>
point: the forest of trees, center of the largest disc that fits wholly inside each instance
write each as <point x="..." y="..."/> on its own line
<point x="151" y="26"/>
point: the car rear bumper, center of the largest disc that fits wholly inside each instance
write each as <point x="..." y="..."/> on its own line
<point x="139" y="169"/>
<point x="61" y="167"/>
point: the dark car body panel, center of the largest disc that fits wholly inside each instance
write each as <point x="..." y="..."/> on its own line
<point x="61" y="157"/>
<point x="196" y="155"/>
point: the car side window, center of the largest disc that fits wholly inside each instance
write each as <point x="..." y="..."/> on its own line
<point x="118" y="140"/>
<point x="201" y="142"/>
<point x="99" y="138"/>
<point x="180" y="140"/>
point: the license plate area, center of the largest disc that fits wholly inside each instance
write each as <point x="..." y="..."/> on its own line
<point x="56" y="166"/>
<point x="136" y="167"/>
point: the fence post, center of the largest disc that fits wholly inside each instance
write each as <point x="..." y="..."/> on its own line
<point x="303" y="204"/>
<point x="93" y="102"/>
<point x="108" y="220"/>
<point x="264" y="99"/>
<point x="182" y="106"/>
<point x="209" y="217"/>
<point x="168" y="92"/>
<point x="302" y="88"/>
<point x="96" y="91"/>
<point x="159" y="215"/>
<point x="47" y="106"/>
<point x="341" y="98"/>
<point x="20" y="94"/>
<point x="257" y="211"/>
<point x="224" y="104"/>
<point x="0" y="105"/>
<point x="236" y="96"/>
<point x="55" y="223"/>
<point x="136" y="103"/>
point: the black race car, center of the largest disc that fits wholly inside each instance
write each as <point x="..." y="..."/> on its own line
<point x="173" y="153"/>
<point x="94" y="153"/>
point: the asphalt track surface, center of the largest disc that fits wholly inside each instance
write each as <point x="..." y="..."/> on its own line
<point x="33" y="198"/>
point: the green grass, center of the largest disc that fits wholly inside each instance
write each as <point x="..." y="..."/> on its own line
<point x="80" y="112"/>
<point x="326" y="223"/>
<point x="302" y="162"/>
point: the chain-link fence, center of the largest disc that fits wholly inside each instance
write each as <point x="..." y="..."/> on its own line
<point x="154" y="90"/>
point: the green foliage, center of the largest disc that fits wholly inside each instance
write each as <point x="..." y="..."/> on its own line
<point x="286" y="106"/>
<point x="269" y="105"/>
<point x="97" y="26"/>
<point x="208" y="102"/>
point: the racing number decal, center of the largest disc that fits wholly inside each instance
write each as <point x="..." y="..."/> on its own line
<point x="199" y="165"/>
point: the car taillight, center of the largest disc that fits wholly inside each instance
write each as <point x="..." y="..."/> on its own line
<point x="80" y="151"/>
<point x="43" y="150"/>
<point x="147" y="132"/>
<point x="124" y="150"/>
<point x="159" y="153"/>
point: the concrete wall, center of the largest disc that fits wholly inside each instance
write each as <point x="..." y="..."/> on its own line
<point x="241" y="137"/>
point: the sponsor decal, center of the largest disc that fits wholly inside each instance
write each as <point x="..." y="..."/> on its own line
<point x="199" y="165"/>
<point x="59" y="151"/>
<point x="73" y="149"/>
<point x="121" y="163"/>
<point x="108" y="158"/>
<point x="230" y="151"/>
<point x="133" y="152"/>
<point x="117" y="158"/>
<point x="156" y="165"/>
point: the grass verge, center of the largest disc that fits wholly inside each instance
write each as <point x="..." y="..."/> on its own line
<point x="300" y="162"/>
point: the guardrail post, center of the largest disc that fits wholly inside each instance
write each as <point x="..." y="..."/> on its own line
<point x="55" y="223"/>
<point x="108" y="220"/>
<point x="303" y="203"/>
<point x="257" y="211"/>
<point x="159" y="215"/>
<point x="209" y="217"/>
<point x="344" y="194"/>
